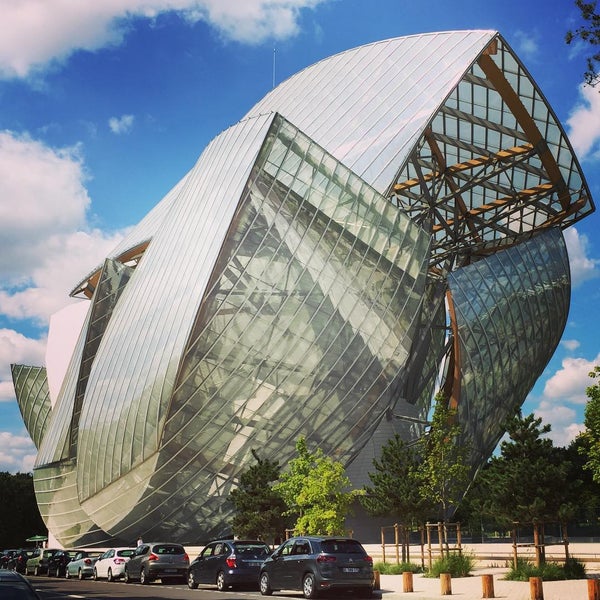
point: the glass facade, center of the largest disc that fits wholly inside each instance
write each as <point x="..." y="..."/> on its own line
<point x="382" y="225"/>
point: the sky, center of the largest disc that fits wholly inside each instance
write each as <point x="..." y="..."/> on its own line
<point x="104" y="106"/>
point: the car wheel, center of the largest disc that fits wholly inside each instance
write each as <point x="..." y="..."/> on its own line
<point x="144" y="577"/>
<point x="221" y="583"/>
<point x="80" y="574"/>
<point x="36" y="570"/>
<point x="191" y="581"/>
<point x="265" y="584"/>
<point x="109" y="575"/>
<point x="126" y="577"/>
<point x="309" y="586"/>
<point x="48" y="573"/>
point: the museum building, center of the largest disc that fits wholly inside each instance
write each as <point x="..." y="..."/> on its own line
<point x="385" y="224"/>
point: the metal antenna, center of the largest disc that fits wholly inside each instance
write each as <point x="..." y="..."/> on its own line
<point x="274" y="66"/>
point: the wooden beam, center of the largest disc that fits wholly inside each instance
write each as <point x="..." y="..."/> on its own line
<point x="528" y="124"/>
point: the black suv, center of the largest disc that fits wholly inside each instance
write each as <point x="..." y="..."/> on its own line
<point x="316" y="564"/>
<point x="165" y="561"/>
<point x="227" y="563"/>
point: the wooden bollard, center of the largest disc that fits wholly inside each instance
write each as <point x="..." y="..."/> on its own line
<point x="446" y="584"/>
<point x="593" y="589"/>
<point x="376" y="580"/>
<point x="407" y="581"/>
<point x="535" y="588"/>
<point x="487" y="586"/>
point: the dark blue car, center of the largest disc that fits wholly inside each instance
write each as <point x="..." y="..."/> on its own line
<point x="228" y="563"/>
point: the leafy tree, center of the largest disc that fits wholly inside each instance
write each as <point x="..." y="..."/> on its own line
<point x="20" y="517"/>
<point x="444" y="472"/>
<point x="316" y="492"/>
<point x="590" y="438"/>
<point x="588" y="33"/>
<point x="259" y="507"/>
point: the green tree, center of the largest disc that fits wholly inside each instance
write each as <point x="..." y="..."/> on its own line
<point x="259" y="507"/>
<point x="316" y="491"/>
<point x="589" y="33"/>
<point x="20" y="517"/>
<point x="444" y="471"/>
<point x="590" y="438"/>
<point x="395" y="485"/>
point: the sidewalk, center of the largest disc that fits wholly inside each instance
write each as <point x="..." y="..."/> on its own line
<point x="491" y="559"/>
<point x="470" y="588"/>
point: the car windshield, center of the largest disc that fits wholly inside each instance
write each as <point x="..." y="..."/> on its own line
<point x="342" y="547"/>
<point x="15" y="590"/>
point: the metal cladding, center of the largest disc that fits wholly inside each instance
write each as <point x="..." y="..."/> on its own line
<point x="386" y="215"/>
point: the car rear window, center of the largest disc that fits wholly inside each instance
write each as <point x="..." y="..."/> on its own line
<point x="130" y="552"/>
<point x="342" y="547"/>
<point x="168" y="549"/>
<point x="253" y="550"/>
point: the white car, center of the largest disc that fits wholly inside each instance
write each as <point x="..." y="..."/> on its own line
<point x="112" y="563"/>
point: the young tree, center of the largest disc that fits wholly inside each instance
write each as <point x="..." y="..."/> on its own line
<point x="529" y="482"/>
<point x="317" y="491"/>
<point x="259" y="507"/>
<point x="591" y="436"/>
<point x="588" y="33"/>
<point x="395" y="489"/>
<point x="444" y="472"/>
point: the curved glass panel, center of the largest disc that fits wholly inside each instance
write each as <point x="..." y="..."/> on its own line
<point x="33" y="398"/>
<point x="511" y="309"/>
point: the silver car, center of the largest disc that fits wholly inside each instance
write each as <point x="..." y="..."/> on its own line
<point x="82" y="565"/>
<point x="159" y="560"/>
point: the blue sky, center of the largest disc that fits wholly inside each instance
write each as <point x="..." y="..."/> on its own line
<point x="104" y="108"/>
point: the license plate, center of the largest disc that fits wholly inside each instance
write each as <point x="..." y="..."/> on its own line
<point x="351" y="570"/>
<point x="170" y="570"/>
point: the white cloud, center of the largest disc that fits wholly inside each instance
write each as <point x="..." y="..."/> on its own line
<point x="584" y="123"/>
<point x="562" y="420"/>
<point x="46" y="243"/>
<point x="35" y="33"/>
<point x="18" y="349"/>
<point x="123" y="124"/>
<point x="17" y="453"/>
<point x="527" y="44"/>
<point x="571" y="380"/>
<point x="570" y="345"/>
<point x="582" y="266"/>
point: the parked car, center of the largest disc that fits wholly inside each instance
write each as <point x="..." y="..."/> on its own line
<point x="18" y="562"/>
<point x="5" y="557"/>
<point x="227" y="563"/>
<point x="164" y="561"/>
<point x="111" y="565"/>
<point x="37" y="563"/>
<point x="57" y="563"/>
<point x="82" y="565"/>
<point x="317" y="564"/>
<point x="13" y="586"/>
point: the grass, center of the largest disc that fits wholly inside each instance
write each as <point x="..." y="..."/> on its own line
<point x="394" y="569"/>
<point x="458" y="565"/>
<point x="572" y="569"/>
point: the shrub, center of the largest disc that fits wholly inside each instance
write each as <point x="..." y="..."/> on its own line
<point x="394" y="569"/>
<point x="458" y="565"/>
<point x="572" y="569"/>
